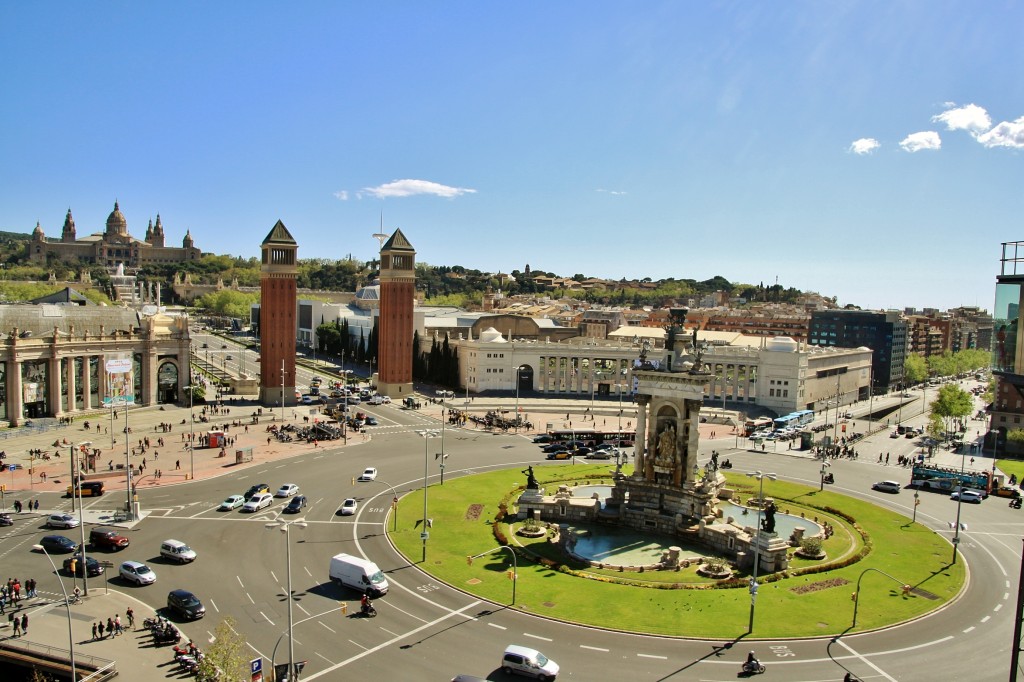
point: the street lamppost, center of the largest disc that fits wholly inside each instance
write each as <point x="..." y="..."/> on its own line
<point x="67" y="606"/>
<point x="518" y="370"/>
<point x="756" y="542"/>
<point x="76" y="482"/>
<point x="917" y="501"/>
<point x="426" y="434"/>
<point x="191" y="432"/>
<point x="285" y="527"/>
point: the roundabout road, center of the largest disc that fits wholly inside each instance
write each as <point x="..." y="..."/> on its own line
<point x="429" y="631"/>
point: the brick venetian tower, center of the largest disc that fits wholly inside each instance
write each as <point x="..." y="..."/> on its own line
<point x="277" y="317"/>
<point x="395" y="326"/>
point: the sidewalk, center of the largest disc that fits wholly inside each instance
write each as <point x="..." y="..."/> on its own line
<point x="133" y="654"/>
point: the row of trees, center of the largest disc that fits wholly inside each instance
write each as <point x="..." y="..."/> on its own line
<point x="917" y="368"/>
<point x="335" y="338"/>
<point x="439" y="365"/>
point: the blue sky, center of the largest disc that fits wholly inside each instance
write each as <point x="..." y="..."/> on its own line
<point x="866" y="150"/>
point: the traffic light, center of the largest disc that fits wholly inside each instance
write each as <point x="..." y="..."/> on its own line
<point x="74" y="566"/>
<point x="511" y="575"/>
<point x="344" y="607"/>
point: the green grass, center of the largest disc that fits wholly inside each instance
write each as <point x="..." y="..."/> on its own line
<point x="1011" y="466"/>
<point x="909" y="552"/>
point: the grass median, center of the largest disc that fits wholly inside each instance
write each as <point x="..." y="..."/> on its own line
<point x="896" y="551"/>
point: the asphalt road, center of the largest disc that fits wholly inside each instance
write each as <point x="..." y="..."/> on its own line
<point x="428" y="631"/>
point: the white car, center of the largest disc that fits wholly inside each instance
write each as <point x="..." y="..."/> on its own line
<point x="966" y="496"/>
<point x="376" y="400"/>
<point x="257" y="502"/>
<point x="138" y="573"/>
<point x="233" y="502"/>
<point x="62" y="521"/>
<point x="287" y="490"/>
<point x="369" y="474"/>
<point x="886" y="486"/>
<point x="349" y="506"/>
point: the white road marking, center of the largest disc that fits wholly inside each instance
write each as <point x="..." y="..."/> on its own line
<point x="307" y="571"/>
<point x="998" y="606"/>
<point x="865" y="661"/>
<point x="393" y="634"/>
<point x="274" y="577"/>
<point x="985" y="619"/>
<point x="593" y="648"/>
<point x="358" y="645"/>
<point x="250" y="598"/>
<point x="328" y="627"/>
<point x="500" y="627"/>
<point x="265" y="616"/>
<point x="239" y="578"/>
<point x="663" y="658"/>
<point x="329" y="661"/>
<point x="390" y="642"/>
<point x="302" y="609"/>
<point x="544" y="639"/>
<point x="214" y="604"/>
<point x="967" y="630"/>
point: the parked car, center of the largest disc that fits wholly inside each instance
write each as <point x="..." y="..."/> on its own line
<point x="58" y="544"/>
<point x="287" y="490"/>
<point x="185" y="604"/>
<point x="295" y="504"/>
<point x="232" y="502"/>
<point x="348" y="507"/>
<point x="94" y="567"/>
<point x="887" y="486"/>
<point x="62" y="521"/>
<point x="137" y="573"/>
<point x="107" y="538"/>
<point x="257" y="502"/>
<point x="369" y="474"/>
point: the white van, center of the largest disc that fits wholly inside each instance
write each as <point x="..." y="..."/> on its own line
<point x="530" y="662"/>
<point x="358" y="574"/>
<point x="177" y="551"/>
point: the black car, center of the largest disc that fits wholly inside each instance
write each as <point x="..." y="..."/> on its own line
<point x="6" y="520"/>
<point x="295" y="505"/>
<point x="58" y="544"/>
<point x="94" y="566"/>
<point x="258" y="488"/>
<point x="555" y="447"/>
<point x="542" y="438"/>
<point x="185" y="604"/>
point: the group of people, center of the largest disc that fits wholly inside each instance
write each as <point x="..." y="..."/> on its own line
<point x="113" y="627"/>
<point x="32" y="505"/>
<point x="10" y="594"/>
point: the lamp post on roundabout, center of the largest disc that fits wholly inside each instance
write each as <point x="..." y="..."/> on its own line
<point x="755" y="542"/>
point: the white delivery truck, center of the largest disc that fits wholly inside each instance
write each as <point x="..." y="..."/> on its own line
<point x="359" y="574"/>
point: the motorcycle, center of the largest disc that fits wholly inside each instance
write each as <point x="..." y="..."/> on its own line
<point x="1015" y="503"/>
<point x="368" y="611"/>
<point x="753" y="668"/>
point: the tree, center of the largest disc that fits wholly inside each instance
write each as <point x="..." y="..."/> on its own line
<point x="915" y="368"/>
<point x="224" y="660"/>
<point x="952" y="403"/>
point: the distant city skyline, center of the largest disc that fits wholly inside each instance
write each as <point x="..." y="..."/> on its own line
<point x="869" y="151"/>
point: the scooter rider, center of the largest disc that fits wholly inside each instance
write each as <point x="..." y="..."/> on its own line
<point x="364" y="603"/>
<point x="752" y="662"/>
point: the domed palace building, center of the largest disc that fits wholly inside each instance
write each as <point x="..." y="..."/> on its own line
<point x="112" y="246"/>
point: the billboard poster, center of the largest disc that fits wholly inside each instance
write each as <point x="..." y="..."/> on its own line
<point x="120" y="380"/>
<point x="33" y="392"/>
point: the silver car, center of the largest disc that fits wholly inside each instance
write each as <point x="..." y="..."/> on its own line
<point x="62" y="521"/>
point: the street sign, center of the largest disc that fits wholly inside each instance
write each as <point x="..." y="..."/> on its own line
<point x="424" y="536"/>
<point x="256" y="668"/>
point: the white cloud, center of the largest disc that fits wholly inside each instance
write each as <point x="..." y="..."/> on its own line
<point x="972" y="118"/>
<point x="342" y="195"/>
<point x="613" y="192"/>
<point x="1005" y="134"/>
<point x="865" y="145"/>
<point x="927" y="139"/>
<point x="408" y="188"/>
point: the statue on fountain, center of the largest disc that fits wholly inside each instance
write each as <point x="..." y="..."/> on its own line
<point x="768" y="523"/>
<point x="531" y="480"/>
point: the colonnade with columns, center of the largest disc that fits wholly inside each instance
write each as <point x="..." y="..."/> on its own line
<point x="734" y="381"/>
<point x="581" y="375"/>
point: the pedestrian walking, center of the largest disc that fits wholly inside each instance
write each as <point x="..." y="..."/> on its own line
<point x="130" y="614"/>
<point x="94" y="631"/>
<point x="24" y="624"/>
<point x="177" y="464"/>
<point x="102" y="631"/>
<point x="118" y="628"/>
<point x="110" y="626"/>
<point x="17" y="626"/>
